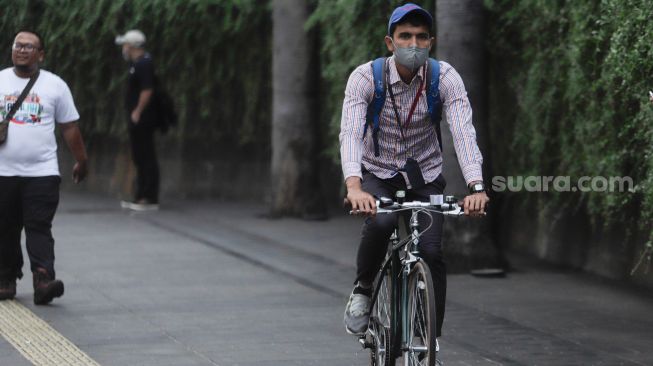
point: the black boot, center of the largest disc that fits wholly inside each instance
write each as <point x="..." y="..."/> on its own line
<point x="7" y="289"/>
<point x="45" y="287"/>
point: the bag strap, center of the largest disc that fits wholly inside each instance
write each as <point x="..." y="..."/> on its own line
<point x="433" y="97"/>
<point x="376" y="106"/>
<point x="21" y="97"/>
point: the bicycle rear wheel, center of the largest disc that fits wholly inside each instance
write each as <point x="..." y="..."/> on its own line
<point x="380" y="324"/>
<point x="420" y="347"/>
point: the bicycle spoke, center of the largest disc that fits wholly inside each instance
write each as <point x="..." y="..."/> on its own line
<point x="421" y="318"/>
<point x="380" y="324"/>
<point x="384" y="315"/>
<point x="415" y="360"/>
<point x="382" y="310"/>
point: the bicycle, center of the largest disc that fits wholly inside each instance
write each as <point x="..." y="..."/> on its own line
<point x="402" y="318"/>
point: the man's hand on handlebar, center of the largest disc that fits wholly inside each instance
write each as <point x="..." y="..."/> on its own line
<point x="362" y="203"/>
<point x="474" y="204"/>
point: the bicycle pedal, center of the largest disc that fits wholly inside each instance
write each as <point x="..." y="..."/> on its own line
<point x="365" y="343"/>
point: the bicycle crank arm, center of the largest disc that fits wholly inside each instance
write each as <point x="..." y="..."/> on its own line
<point x="365" y="343"/>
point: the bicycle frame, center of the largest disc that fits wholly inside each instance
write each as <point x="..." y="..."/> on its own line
<point x="400" y="269"/>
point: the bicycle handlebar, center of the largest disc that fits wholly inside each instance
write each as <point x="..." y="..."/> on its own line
<point x="448" y="207"/>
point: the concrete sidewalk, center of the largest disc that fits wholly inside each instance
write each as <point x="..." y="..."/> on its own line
<point x="210" y="283"/>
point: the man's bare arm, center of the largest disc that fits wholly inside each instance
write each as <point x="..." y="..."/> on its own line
<point x="73" y="137"/>
<point x="143" y="100"/>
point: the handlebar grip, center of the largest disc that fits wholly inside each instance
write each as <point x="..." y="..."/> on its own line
<point x="347" y="205"/>
<point x="461" y="204"/>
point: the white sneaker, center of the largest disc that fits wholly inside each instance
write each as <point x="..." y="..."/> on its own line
<point x="357" y="314"/>
<point x="144" y="206"/>
<point x="139" y="206"/>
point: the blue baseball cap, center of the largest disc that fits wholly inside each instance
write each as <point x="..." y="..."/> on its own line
<point x="399" y="13"/>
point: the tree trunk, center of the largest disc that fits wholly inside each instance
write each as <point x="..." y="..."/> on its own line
<point x="295" y="188"/>
<point x="460" y="41"/>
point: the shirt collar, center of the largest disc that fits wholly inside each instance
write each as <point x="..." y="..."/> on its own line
<point x="394" y="74"/>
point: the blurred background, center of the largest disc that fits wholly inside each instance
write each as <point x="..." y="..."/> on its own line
<point x="559" y="88"/>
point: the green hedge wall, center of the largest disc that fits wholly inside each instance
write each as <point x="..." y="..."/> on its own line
<point x="579" y="72"/>
<point x="213" y="56"/>
<point x="568" y="91"/>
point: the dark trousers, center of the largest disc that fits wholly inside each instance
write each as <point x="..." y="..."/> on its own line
<point x="377" y="230"/>
<point x="144" y="157"/>
<point x="29" y="203"/>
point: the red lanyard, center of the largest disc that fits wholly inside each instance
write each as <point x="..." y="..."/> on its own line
<point x="412" y="107"/>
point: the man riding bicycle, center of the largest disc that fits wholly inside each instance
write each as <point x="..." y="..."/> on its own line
<point x="404" y="153"/>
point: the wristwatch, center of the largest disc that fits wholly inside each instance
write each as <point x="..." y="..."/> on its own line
<point x="477" y="187"/>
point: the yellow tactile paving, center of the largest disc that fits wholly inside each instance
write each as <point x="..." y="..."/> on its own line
<point x="36" y="340"/>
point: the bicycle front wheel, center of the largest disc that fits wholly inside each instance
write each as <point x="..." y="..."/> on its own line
<point x="421" y="340"/>
<point x="381" y="323"/>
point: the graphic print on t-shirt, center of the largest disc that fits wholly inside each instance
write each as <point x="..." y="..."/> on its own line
<point x="28" y="113"/>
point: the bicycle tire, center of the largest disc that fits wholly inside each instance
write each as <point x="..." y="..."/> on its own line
<point x="380" y="323"/>
<point x="421" y="342"/>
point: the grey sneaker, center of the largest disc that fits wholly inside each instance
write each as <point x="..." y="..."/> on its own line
<point x="357" y="313"/>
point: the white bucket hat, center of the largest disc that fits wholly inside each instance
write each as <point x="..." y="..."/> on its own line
<point x="132" y="37"/>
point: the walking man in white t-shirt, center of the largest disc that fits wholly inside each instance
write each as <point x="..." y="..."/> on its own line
<point x="29" y="171"/>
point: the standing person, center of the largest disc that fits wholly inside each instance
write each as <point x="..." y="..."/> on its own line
<point x="405" y="146"/>
<point x="29" y="170"/>
<point x="141" y="120"/>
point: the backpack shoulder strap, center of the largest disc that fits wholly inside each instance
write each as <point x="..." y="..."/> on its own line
<point x="376" y="105"/>
<point x="433" y="96"/>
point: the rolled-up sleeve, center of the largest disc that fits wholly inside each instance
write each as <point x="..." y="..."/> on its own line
<point x="458" y="113"/>
<point x="358" y="94"/>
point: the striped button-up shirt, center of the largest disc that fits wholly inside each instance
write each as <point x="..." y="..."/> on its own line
<point x="420" y="137"/>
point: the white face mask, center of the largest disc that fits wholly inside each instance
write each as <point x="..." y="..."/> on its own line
<point x="411" y="57"/>
<point x="125" y="55"/>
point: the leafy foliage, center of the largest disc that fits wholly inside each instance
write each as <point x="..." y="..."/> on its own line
<point x="213" y="56"/>
<point x="568" y="92"/>
<point x="577" y="71"/>
<point x="580" y="72"/>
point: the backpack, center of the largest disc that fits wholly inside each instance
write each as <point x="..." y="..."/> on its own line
<point x="166" y="115"/>
<point x="376" y="106"/>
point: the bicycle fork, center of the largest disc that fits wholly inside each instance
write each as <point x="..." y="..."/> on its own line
<point x="400" y="269"/>
<point x="396" y="275"/>
<point x="407" y="265"/>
